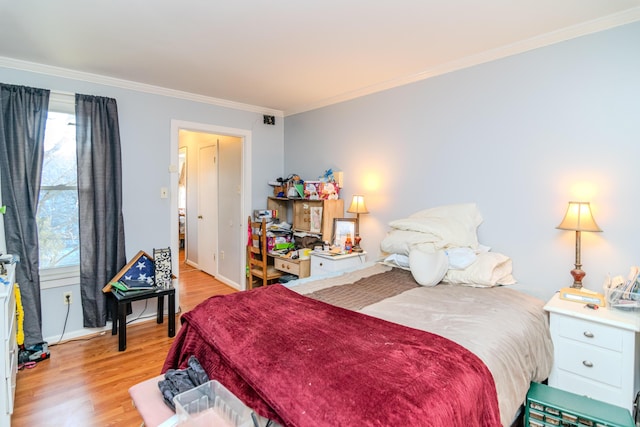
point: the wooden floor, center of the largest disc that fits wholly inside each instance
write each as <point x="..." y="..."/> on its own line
<point x="86" y="382"/>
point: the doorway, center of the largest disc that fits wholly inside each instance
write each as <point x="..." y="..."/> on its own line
<point x="217" y="194"/>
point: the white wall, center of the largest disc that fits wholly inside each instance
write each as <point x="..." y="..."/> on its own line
<point x="145" y="131"/>
<point x="520" y="137"/>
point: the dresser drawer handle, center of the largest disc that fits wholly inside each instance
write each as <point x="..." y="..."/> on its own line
<point x="587" y="363"/>
<point x="321" y="264"/>
<point x="588" y="334"/>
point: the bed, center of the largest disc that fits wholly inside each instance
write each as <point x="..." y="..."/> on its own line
<point x="440" y="337"/>
<point x="371" y="347"/>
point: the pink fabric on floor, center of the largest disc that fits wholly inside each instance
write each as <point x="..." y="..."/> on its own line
<point x="306" y="363"/>
<point x="148" y="401"/>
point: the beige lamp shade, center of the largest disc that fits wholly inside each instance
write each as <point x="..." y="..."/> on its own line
<point x="357" y="205"/>
<point x="579" y="218"/>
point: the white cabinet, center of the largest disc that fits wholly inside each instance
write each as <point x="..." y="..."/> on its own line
<point x="596" y="352"/>
<point x="324" y="264"/>
<point x="9" y="354"/>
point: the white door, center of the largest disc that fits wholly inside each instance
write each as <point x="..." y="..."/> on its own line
<point x="208" y="207"/>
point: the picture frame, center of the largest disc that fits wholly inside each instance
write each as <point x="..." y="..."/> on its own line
<point x="143" y="263"/>
<point x="341" y="228"/>
<point x="162" y="261"/>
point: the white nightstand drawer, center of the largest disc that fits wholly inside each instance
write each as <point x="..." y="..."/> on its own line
<point x="594" y="363"/>
<point x="590" y="333"/>
<point x="584" y="387"/>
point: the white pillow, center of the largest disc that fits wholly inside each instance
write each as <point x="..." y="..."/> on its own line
<point x="466" y="213"/>
<point x="401" y="241"/>
<point x="489" y="269"/>
<point x="397" y="260"/>
<point x="428" y="269"/>
<point x="461" y="258"/>
<point x="444" y="232"/>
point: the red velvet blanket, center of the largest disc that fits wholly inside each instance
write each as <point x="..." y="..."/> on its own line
<point x="307" y="363"/>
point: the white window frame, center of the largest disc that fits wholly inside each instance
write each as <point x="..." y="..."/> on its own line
<point x="60" y="276"/>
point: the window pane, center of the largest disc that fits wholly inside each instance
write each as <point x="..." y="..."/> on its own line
<point x="59" y="166"/>
<point x="58" y="204"/>
<point x="58" y="228"/>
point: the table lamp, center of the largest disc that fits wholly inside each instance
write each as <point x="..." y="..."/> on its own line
<point x="578" y="218"/>
<point x="357" y="207"/>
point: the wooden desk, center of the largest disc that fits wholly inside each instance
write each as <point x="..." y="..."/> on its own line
<point x="297" y="267"/>
<point x="119" y="311"/>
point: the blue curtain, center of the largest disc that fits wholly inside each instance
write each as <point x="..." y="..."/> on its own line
<point x="22" y="124"/>
<point x="102" y="249"/>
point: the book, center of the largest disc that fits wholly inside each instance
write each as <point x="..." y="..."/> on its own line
<point x="134" y="285"/>
<point x="133" y="292"/>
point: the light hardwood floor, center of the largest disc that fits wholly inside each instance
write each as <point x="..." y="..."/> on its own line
<point x="86" y="382"/>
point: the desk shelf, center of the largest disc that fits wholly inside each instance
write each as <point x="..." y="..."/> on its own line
<point x="297" y="212"/>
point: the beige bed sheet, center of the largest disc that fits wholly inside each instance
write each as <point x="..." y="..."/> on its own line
<point x="507" y="329"/>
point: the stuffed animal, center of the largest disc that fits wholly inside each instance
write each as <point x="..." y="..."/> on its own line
<point x="329" y="191"/>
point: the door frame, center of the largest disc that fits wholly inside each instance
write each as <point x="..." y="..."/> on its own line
<point x="245" y="199"/>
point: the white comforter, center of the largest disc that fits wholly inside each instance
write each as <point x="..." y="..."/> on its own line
<point x="505" y="328"/>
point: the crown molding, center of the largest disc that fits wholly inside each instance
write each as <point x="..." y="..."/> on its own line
<point x="130" y="85"/>
<point x="596" y="25"/>
<point x="589" y="27"/>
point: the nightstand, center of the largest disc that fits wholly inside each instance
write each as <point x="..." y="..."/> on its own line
<point x="324" y="263"/>
<point x="596" y="352"/>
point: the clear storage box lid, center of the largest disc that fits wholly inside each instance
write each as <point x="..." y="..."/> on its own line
<point x="211" y="404"/>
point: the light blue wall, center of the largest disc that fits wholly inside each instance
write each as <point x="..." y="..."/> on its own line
<point x="145" y="131"/>
<point x="519" y="136"/>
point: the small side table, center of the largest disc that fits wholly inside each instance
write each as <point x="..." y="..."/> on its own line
<point x="119" y="311"/>
<point x="325" y="263"/>
<point x="596" y="352"/>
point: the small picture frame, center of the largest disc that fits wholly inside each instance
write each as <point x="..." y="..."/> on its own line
<point x="341" y="228"/>
<point x="162" y="261"/>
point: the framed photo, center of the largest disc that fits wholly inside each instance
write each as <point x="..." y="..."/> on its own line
<point x="162" y="261"/>
<point x="341" y="228"/>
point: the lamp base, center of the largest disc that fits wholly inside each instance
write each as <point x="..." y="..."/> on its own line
<point x="578" y="275"/>
<point x="356" y="246"/>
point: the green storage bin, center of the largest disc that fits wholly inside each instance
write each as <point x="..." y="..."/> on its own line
<point x="549" y="407"/>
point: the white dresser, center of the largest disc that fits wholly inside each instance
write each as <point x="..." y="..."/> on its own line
<point x="596" y="352"/>
<point x="9" y="354"/>
<point x="324" y="263"/>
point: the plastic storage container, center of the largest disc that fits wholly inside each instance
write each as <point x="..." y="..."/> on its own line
<point x="620" y="299"/>
<point x="211" y="404"/>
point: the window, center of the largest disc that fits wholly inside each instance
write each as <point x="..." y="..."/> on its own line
<point x="57" y="215"/>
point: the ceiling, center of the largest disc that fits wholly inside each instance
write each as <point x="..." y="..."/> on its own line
<point x="287" y="56"/>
